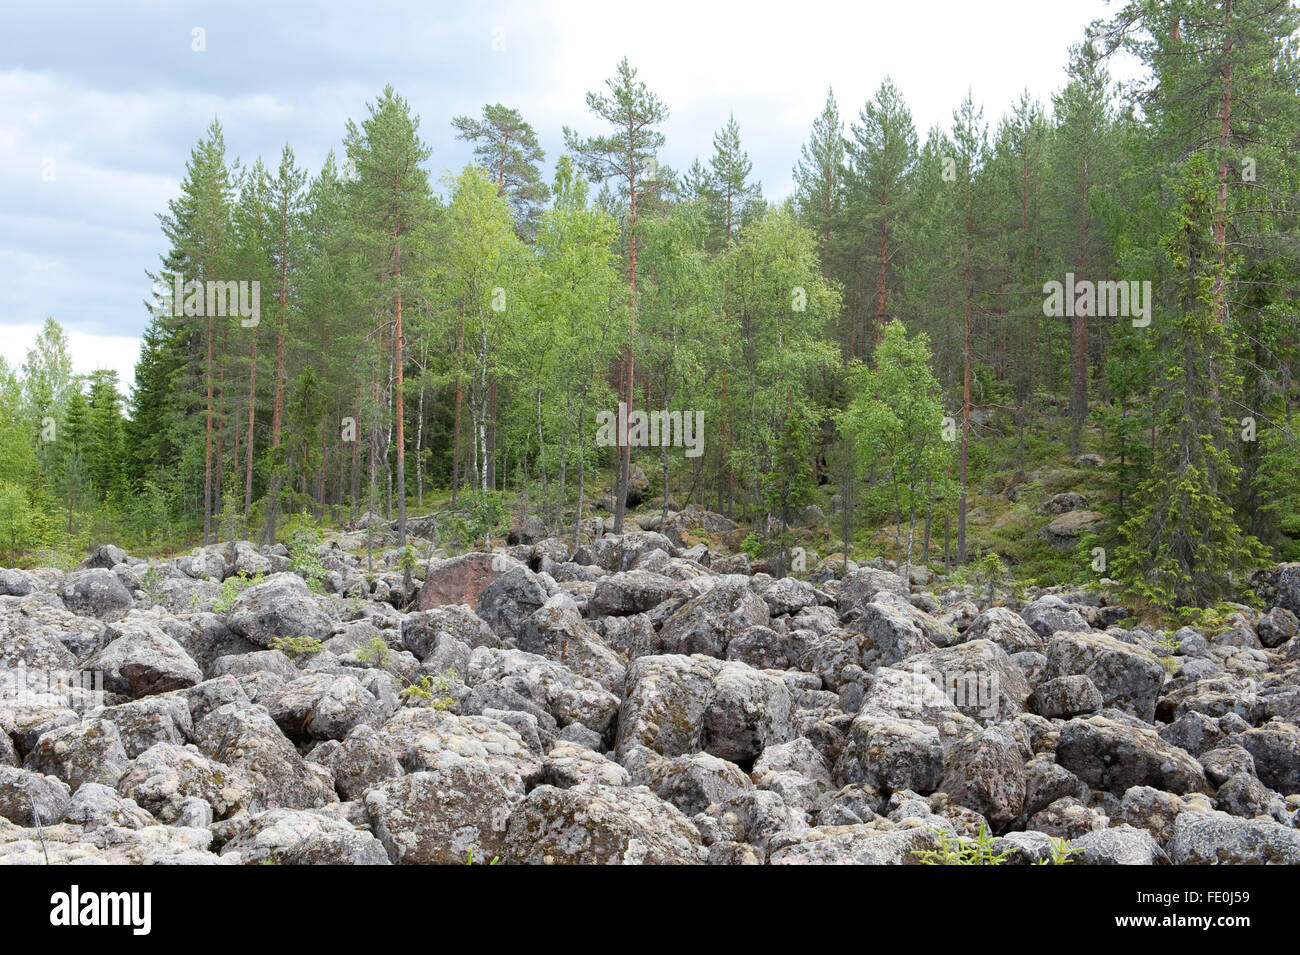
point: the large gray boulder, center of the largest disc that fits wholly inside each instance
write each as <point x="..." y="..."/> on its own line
<point x="1220" y="839"/>
<point x="143" y="660"/>
<point x="663" y="703"/>
<point x="631" y="592"/>
<point x="551" y="688"/>
<point x="1006" y="628"/>
<point x="559" y="633"/>
<point x="422" y="629"/>
<point x="1049" y="615"/>
<point x="453" y="812"/>
<point x="325" y="706"/>
<point x="23" y="791"/>
<point x="95" y="593"/>
<point x="280" y="606"/>
<point x="897" y="630"/>
<point x="1127" y="676"/>
<point x="1114" y="756"/>
<point x="891" y="753"/>
<point x="88" y="751"/>
<point x="707" y="623"/>
<point x="244" y="736"/>
<point x="601" y="825"/>
<point x="986" y="772"/>
<point x="509" y="601"/>
<point x="165" y="777"/>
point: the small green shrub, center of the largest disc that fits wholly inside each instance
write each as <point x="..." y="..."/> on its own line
<point x="297" y="647"/>
<point x="231" y="588"/>
<point x="1061" y="852"/>
<point x="375" y="652"/>
<point x="436" y="691"/>
<point x="958" y="850"/>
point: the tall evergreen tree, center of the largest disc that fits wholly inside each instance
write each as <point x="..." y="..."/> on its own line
<point x="628" y="156"/>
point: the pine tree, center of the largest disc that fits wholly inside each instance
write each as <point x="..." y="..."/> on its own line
<point x="882" y="157"/>
<point x="395" y="205"/>
<point x="507" y="149"/>
<point x="199" y="225"/>
<point x="819" y="178"/>
<point x="628" y="156"/>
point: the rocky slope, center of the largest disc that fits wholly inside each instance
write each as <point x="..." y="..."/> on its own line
<point x="630" y="701"/>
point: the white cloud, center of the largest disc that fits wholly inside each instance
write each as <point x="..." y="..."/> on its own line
<point x="89" y="351"/>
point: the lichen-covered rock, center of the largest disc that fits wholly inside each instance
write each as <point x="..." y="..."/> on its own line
<point x="631" y="592"/>
<point x="453" y="811"/>
<point x="856" y="845"/>
<point x="707" y="623"/>
<point x="426" y="736"/>
<point x="1049" y="615"/>
<point x="896" y="630"/>
<point x="88" y="751"/>
<point x="95" y="805"/>
<point x="509" y="601"/>
<point x="1066" y="696"/>
<point x="96" y="593"/>
<point x="325" y="706"/>
<point x="602" y="825"/>
<point x="363" y="760"/>
<point x="1217" y="838"/>
<point x="986" y="772"/>
<point x="22" y="791"/>
<point x="1275" y="748"/>
<point x="1113" y="756"/>
<point x="155" y="719"/>
<point x="244" y="737"/>
<point x="891" y="753"/>
<point x="559" y="633"/>
<point x="296" y="837"/>
<point x="746" y="711"/>
<point x="557" y="691"/>
<point x="691" y="783"/>
<point x="1006" y="628"/>
<point x="1120" y="845"/>
<point x="143" y="660"/>
<point x="569" y="764"/>
<point x="280" y="606"/>
<point x="664" y="703"/>
<point x="165" y="777"/>
<point x="1127" y="676"/>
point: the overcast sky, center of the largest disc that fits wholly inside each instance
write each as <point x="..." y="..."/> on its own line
<point x="100" y="102"/>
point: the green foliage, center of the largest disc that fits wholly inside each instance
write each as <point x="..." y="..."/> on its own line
<point x="151" y="582"/>
<point x="432" y="690"/>
<point x="990" y="571"/>
<point x="231" y="588"/>
<point x="297" y="647"/>
<point x="17" y="521"/>
<point x="304" y="557"/>
<point x="375" y="652"/>
<point x="959" y="850"/>
<point x="1062" y="853"/>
